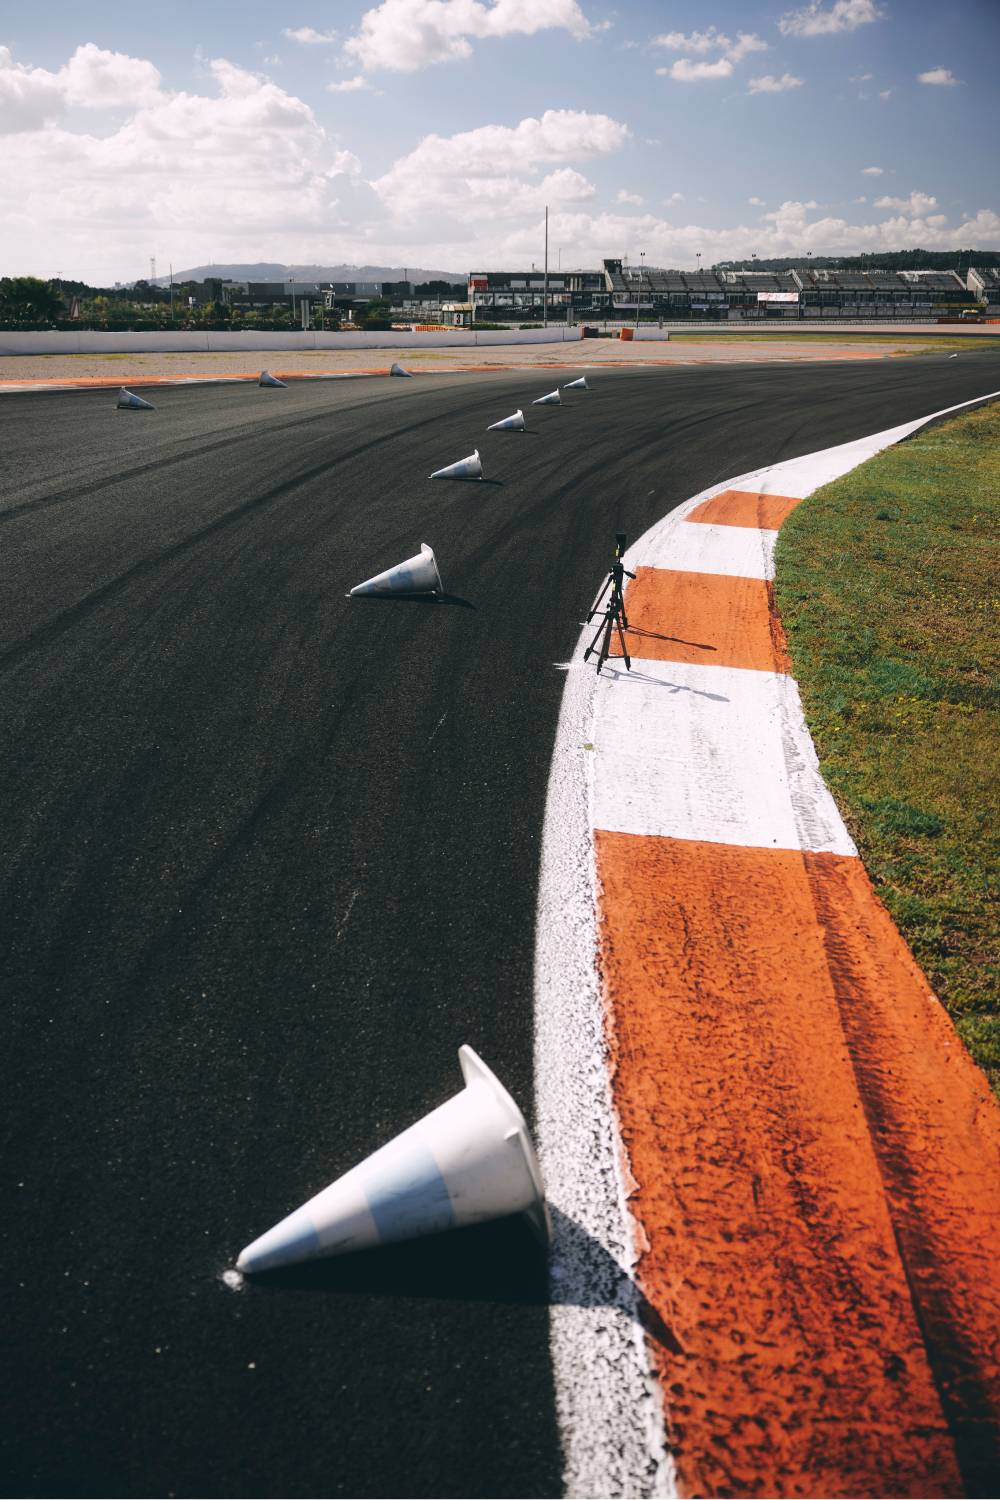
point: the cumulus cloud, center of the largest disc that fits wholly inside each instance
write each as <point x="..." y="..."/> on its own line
<point x="842" y="15"/>
<point x="686" y="71"/>
<point x="635" y="199"/>
<point x="916" y="204"/>
<point x="674" y="199"/>
<point x="307" y="37"/>
<point x="711" y="40"/>
<point x="349" y="86"/>
<point x="768" y="84"/>
<point x="93" y="78"/>
<point x="942" y="78"/>
<point x="403" y="36"/>
<point x="756" y="202"/>
<point x="871" y="171"/>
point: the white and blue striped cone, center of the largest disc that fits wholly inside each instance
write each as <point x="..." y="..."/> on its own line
<point x="509" y="424"/>
<point x="552" y="399"/>
<point x="417" y="575"/>
<point x="397" y="369"/>
<point x="466" y="468"/>
<point x="577" y="385"/>
<point x="266" y="378"/>
<point x="467" y="1162"/>
<point x="129" y="401"/>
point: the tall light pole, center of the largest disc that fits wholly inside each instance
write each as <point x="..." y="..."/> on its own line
<point x="638" y="294"/>
<point x="545" y="280"/>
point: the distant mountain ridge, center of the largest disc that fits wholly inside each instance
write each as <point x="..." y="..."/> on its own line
<point x="267" y="270"/>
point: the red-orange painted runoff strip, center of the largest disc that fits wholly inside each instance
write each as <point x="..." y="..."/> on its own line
<point x="815" y="1164"/>
<point x="745" y="508"/>
<point x="707" y="618"/>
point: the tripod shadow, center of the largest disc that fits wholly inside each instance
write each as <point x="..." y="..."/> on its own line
<point x="500" y="1262"/>
<point x="646" y="677"/>
<point x="678" y="640"/>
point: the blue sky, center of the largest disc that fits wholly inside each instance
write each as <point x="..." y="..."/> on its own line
<point x="432" y="132"/>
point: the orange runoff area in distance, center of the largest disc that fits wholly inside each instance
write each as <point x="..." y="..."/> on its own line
<point x="745" y="508"/>
<point x="707" y="618"/>
<point x="816" y="1167"/>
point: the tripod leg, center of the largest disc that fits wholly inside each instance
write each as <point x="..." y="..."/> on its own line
<point x="593" y="645"/>
<point x="606" y="642"/>
<point x="621" y="637"/>
<point x="596" y="606"/>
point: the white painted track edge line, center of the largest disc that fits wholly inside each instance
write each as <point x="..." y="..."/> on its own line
<point x="608" y="1403"/>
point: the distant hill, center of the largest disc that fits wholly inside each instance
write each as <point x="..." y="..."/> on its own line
<point x="273" y="271"/>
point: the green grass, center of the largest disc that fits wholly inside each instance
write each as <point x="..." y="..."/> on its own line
<point x="888" y="584"/>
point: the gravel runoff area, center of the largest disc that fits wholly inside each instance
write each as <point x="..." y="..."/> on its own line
<point x="728" y="346"/>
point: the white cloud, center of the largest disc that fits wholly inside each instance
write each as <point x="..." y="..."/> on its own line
<point x="712" y="40"/>
<point x="916" y="204"/>
<point x="653" y="140"/>
<point x="307" y="37"/>
<point x="885" y="94"/>
<point x="771" y="85"/>
<point x="861" y="77"/>
<point x="635" y="199"/>
<point x="843" y="15"/>
<point x="872" y="171"/>
<point x="673" y="199"/>
<point x="93" y="78"/>
<point x="940" y="77"/>
<point x="406" y="35"/>
<point x="686" y="71"/>
<point x="862" y="199"/>
<point x="349" y="86"/>
<point x="756" y="202"/>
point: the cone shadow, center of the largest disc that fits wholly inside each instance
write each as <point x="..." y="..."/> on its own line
<point x="455" y="599"/>
<point x="500" y="1262"/>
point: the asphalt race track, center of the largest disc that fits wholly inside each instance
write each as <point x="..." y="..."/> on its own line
<point x="270" y="857"/>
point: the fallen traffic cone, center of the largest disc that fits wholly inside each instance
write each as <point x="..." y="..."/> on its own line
<point x="466" y="468"/>
<point x="417" y="575"/>
<point x="128" y="400"/>
<point x="466" y="1162"/>
<point x="509" y="424"/>
<point x="577" y="385"/>
<point x="266" y="378"/>
<point x="397" y="369"/>
<point x="552" y="399"/>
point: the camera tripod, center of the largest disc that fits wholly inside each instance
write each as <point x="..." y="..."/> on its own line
<point x="614" y="617"/>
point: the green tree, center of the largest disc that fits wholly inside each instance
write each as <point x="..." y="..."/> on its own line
<point x="26" y="299"/>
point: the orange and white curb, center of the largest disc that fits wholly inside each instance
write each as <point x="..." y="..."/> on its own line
<point x="774" y="1169"/>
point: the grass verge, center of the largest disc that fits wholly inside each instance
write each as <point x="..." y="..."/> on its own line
<point x="887" y="581"/>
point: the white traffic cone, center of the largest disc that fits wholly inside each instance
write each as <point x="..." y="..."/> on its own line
<point x="577" y="385"/>
<point x="266" y="378"/>
<point x="552" y="399"/>
<point x="509" y="424"/>
<point x="466" y="1162"/>
<point x="417" y="575"/>
<point x="129" y="401"/>
<point x="397" y="369"/>
<point x="466" y="468"/>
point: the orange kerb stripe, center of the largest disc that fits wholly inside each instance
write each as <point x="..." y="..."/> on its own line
<point x="798" y="1114"/>
<point x="745" y="508"/>
<point x="707" y="618"/>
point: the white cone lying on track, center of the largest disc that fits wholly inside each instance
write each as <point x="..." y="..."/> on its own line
<point x="417" y="575"/>
<point x="509" y="424"/>
<point x="130" y="401"/>
<point x="577" y="385"/>
<point x="552" y="399"/>
<point x="466" y="468"/>
<point x="467" y="1162"/>
<point x="266" y="378"/>
<point x="397" y="369"/>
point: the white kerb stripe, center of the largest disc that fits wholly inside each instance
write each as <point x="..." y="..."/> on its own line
<point x="720" y="754"/>
<point x="695" y="547"/>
